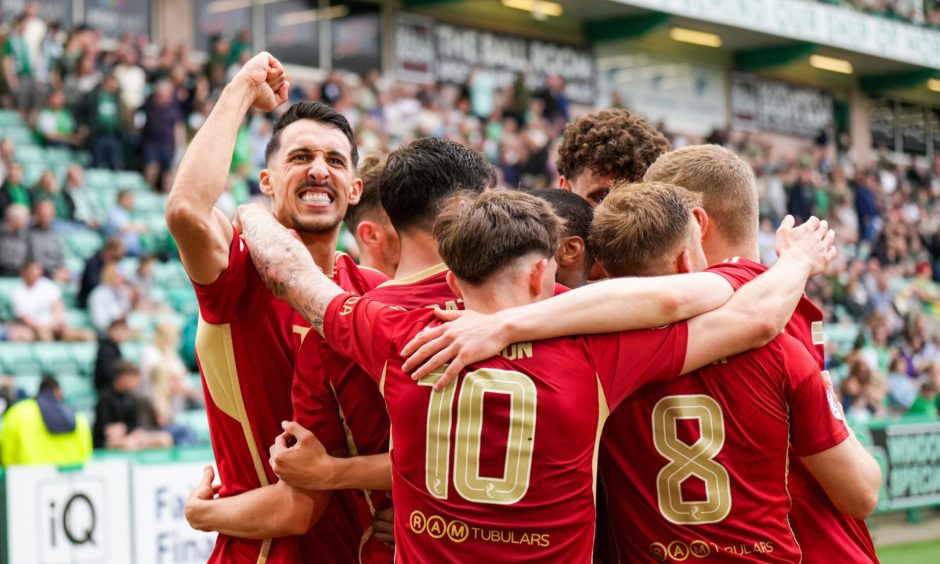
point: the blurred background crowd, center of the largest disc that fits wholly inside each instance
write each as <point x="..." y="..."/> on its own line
<point x="90" y="136"/>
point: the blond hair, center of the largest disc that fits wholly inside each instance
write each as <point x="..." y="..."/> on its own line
<point x="638" y="227"/>
<point x="726" y="183"/>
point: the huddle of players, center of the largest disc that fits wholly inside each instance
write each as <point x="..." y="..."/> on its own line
<point x="695" y="466"/>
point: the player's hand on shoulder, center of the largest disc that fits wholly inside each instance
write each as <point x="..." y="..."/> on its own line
<point x="465" y="338"/>
<point x="383" y="524"/>
<point x="267" y="80"/>
<point x="812" y="241"/>
<point x="300" y="459"/>
<point x="204" y="491"/>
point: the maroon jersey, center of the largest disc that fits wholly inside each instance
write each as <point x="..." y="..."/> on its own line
<point x="824" y="533"/>
<point x="698" y="467"/>
<point x="246" y="345"/>
<point x="500" y="465"/>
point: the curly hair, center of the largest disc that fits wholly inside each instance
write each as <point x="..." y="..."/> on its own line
<point x="612" y="143"/>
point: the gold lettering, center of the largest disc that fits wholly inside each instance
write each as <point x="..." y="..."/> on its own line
<point x="517" y="351"/>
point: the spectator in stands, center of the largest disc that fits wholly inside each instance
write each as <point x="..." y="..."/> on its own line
<point x="801" y="195"/>
<point x="56" y="124"/>
<point x="45" y="247"/>
<point x="141" y="283"/>
<point x="44" y="430"/>
<point x="77" y="213"/>
<point x="83" y="80"/>
<point x="555" y="102"/>
<point x="7" y="150"/>
<point x="112" y="252"/>
<point x="18" y="67"/>
<point x="13" y="191"/>
<point x="378" y="244"/>
<point x="605" y="146"/>
<point x="131" y="78"/>
<point x="163" y="119"/>
<point x="573" y="257"/>
<point x="109" y="353"/>
<point x="14" y="240"/>
<point x="163" y="381"/>
<point x="102" y="115"/>
<point x="110" y="301"/>
<point x="37" y="304"/>
<point x="120" y="224"/>
<point x="47" y="189"/>
<point x="123" y="420"/>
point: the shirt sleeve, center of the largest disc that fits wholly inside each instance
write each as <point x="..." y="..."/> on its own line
<point x="816" y="424"/>
<point x="361" y="329"/>
<point x="629" y="360"/>
<point x="234" y="291"/>
<point x="314" y="403"/>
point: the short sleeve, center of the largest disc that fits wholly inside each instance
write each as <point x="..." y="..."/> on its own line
<point x="629" y="360"/>
<point x="314" y="404"/>
<point x="234" y="291"/>
<point x="362" y="330"/>
<point x="816" y="424"/>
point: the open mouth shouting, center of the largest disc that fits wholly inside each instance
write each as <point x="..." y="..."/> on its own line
<point x="316" y="196"/>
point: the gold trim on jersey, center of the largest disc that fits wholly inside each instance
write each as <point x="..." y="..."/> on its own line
<point x="216" y="352"/>
<point x="603" y="412"/>
<point x="417" y="276"/>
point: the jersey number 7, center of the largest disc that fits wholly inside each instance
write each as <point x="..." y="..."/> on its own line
<point x="470" y="398"/>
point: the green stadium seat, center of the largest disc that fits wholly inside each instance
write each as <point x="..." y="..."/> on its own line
<point x="99" y="177"/>
<point x="130" y="179"/>
<point x="31" y="153"/>
<point x="83" y="243"/>
<point x="56" y="358"/>
<point x="19" y="359"/>
<point x="78" y="390"/>
<point x="29" y="383"/>
<point x="84" y="355"/>
<point x="78" y="318"/>
<point x="10" y="117"/>
<point x="131" y="351"/>
<point x="6" y="289"/>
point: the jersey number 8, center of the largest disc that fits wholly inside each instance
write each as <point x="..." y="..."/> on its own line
<point x="470" y="398"/>
<point x="686" y="461"/>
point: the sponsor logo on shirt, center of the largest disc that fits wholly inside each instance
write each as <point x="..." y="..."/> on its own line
<point x="457" y="531"/>
<point x="348" y="305"/>
<point x="680" y="551"/>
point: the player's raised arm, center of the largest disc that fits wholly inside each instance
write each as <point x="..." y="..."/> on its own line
<point x="286" y="266"/>
<point x="202" y="232"/>
<point x="760" y="309"/>
<point x="249" y="515"/>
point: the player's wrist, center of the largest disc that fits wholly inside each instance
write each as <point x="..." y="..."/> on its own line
<point x="238" y="92"/>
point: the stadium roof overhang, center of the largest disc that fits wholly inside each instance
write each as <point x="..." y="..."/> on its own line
<point x="797" y="40"/>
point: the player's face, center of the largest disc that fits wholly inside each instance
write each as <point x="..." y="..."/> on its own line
<point x="590" y="186"/>
<point x="311" y="178"/>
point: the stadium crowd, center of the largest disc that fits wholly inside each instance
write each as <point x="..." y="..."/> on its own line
<point x="132" y="108"/>
<point x="915" y="11"/>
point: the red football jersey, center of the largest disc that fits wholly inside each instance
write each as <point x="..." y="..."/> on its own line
<point x="824" y="533"/>
<point x="698" y="467"/>
<point x="508" y="473"/>
<point x="246" y="345"/>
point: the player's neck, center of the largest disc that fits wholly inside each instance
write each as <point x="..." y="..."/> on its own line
<point x="718" y="251"/>
<point x="418" y="253"/>
<point x="491" y="298"/>
<point x="322" y="247"/>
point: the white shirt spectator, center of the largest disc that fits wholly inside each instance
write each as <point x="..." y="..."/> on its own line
<point x="37" y="301"/>
<point x="107" y="304"/>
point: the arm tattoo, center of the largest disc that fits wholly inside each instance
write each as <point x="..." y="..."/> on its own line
<point x="287" y="268"/>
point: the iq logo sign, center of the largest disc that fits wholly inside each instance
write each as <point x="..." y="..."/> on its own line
<point x="73" y="517"/>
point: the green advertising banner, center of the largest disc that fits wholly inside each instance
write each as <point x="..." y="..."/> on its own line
<point x="909" y="455"/>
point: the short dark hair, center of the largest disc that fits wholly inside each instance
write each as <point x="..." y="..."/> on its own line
<point x="314" y="111"/>
<point x="577" y="213"/>
<point x="610" y="142"/>
<point x="122" y="367"/>
<point x="369" y="171"/>
<point x="420" y="176"/>
<point x="478" y="237"/>
<point x="48" y="383"/>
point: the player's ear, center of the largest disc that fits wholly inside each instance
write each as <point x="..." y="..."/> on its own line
<point x="265" y="184"/>
<point x="684" y="262"/>
<point x="570" y="250"/>
<point x="564" y="183"/>
<point x="702" y="218"/>
<point x="453" y="285"/>
<point x="535" y="277"/>
<point x="368" y="233"/>
<point x="355" y="192"/>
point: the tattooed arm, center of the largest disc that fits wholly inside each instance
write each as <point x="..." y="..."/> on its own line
<point x="285" y="265"/>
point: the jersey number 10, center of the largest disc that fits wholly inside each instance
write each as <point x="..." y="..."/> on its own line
<point x="470" y="398"/>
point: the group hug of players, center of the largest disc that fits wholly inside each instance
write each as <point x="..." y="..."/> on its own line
<point x="431" y="405"/>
